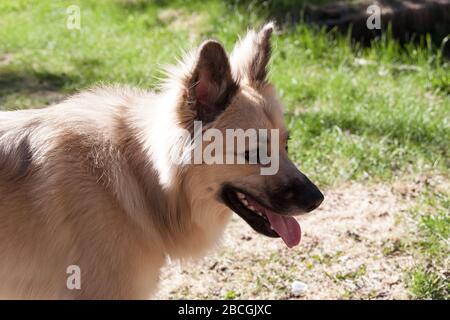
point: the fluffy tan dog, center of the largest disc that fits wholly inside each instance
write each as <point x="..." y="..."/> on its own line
<point x="91" y="182"/>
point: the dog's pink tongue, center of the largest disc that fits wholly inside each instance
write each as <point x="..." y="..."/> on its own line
<point x="287" y="228"/>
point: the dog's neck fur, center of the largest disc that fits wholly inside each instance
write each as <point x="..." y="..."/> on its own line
<point x="174" y="208"/>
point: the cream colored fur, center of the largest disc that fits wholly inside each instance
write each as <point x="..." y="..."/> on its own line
<point x="89" y="182"/>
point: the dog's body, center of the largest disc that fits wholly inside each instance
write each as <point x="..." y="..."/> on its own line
<point x="90" y="183"/>
<point x="77" y="188"/>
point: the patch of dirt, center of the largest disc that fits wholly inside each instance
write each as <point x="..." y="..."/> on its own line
<point x="6" y="59"/>
<point x="351" y="248"/>
<point x="179" y="20"/>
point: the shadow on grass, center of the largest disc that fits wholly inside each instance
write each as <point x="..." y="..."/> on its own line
<point x="142" y="5"/>
<point x="23" y="82"/>
<point x="15" y="81"/>
<point x="37" y="88"/>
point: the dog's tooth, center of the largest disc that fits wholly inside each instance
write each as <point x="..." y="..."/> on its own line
<point x="251" y="208"/>
<point x="244" y="201"/>
<point x="240" y="195"/>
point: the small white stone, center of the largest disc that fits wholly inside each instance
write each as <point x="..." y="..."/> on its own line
<point x="298" y="288"/>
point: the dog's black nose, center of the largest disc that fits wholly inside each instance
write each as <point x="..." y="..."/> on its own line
<point x="308" y="196"/>
<point x="315" y="199"/>
<point x="299" y="195"/>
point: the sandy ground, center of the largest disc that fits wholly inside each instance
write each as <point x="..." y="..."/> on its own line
<point x="350" y="249"/>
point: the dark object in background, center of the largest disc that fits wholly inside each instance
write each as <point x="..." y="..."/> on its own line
<point x="408" y="19"/>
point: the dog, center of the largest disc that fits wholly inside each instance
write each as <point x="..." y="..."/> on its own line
<point x="89" y="187"/>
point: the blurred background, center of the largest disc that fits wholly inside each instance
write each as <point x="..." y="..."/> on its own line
<point x="366" y="85"/>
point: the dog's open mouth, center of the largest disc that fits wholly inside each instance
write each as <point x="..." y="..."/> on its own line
<point x="261" y="218"/>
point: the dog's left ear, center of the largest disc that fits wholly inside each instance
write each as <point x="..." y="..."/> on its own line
<point x="211" y="83"/>
<point x="251" y="55"/>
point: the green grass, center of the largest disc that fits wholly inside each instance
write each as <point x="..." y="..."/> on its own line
<point x="426" y="284"/>
<point x="356" y="114"/>
<point x="429" y="279"/>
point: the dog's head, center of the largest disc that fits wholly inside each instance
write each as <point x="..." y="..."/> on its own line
<point x="224" y="94"/>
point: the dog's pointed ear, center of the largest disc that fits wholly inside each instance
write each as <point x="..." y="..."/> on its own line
<point x="251" y="55"/>
<point x="211" y="84"/>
